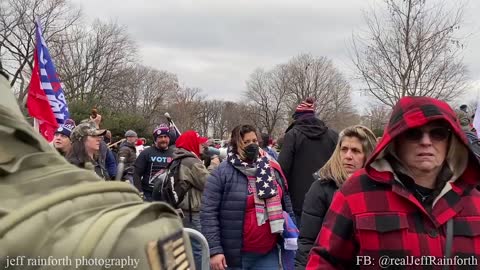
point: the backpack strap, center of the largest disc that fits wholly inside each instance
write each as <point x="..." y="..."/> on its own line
<point x="190" y="186"/>
<point x="189" y="194"/>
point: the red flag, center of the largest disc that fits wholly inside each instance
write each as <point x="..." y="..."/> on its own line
<point x="38" y="104"/>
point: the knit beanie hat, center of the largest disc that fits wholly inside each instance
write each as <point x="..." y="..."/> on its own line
<point x="162" y="129"/>
<point x="306" y="107"/>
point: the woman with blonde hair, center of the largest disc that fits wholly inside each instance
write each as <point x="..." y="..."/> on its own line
<point x="354" y="145"/>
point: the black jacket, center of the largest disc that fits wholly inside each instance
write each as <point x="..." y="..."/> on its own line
<point x="315" y="207"/>
<point x="149" y="162"/>
<point x="95" y="165"/>
<point x="128" y="151"/>
<point x="308" y="145"/>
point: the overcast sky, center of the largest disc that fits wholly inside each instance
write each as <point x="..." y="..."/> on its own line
<point x="216" y="44"/>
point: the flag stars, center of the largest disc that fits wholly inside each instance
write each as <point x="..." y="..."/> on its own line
<point x="261" y="193"/>
<point x="263" y="172"/>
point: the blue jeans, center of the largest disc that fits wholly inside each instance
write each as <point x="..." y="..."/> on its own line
<point x="254" y="261"/>
<point x="196" y="246"/>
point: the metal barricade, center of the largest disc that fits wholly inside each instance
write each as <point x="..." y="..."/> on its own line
<point x="205" y="249"/>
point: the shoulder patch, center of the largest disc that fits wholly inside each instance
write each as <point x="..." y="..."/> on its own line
<point x="168" y="253"/>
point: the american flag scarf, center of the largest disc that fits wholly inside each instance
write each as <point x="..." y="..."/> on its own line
<point x="268" y="204"/>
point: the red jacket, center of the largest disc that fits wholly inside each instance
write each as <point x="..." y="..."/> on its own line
<point x="374" y="215"/>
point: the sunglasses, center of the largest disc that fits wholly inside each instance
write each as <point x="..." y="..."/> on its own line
<point x="436" y="134"/>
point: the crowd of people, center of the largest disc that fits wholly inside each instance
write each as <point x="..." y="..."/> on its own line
<point x="324" y="200"/>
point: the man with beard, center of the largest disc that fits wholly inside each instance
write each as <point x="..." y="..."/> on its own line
<point x="153" y="160"/>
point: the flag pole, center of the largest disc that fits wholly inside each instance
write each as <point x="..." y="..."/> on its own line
<point x="36" y="125"/>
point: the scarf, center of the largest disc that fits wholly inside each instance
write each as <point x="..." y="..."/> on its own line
<point x="268" y="204"/>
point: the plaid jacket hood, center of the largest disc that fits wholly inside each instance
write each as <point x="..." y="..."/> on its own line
<point x="413" y="112"/>
<point x="373" y="216"/>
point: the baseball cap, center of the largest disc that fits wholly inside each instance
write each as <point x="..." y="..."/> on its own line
<point x="86" y="129"/>
<point x="201" y="139"/>
<point x="66" y="128"/>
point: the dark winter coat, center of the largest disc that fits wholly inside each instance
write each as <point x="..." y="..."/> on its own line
<point x="111" y="164"/>
<point x="374" y="213"/>
<point x="318" y="199"/>
<point x="108" y="160"/>
<point x="307" y="146"/>
<point x="128" y="151"/>
<point x="150" y="161"/>
<point x="94" y="165"/>
<point x="223" y="210"/>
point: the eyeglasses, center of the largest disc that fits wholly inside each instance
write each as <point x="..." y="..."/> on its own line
<point x="436" y="134"/>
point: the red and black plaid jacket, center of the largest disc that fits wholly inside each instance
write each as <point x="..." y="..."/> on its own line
<point x="374" y="215"/>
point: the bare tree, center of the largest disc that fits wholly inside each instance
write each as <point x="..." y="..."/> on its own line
<point x="411" y="50"/>
<point x="341" y="112"/>
<point x="17" y="33"/>
<point x="233" y="114"/>
<point x="272" y="96"/>
<point x="266" y="92"/>
<point x="143" y="91"/>
<point x="205" y="115"/>
<point x="376" y="117"/>
<point x="155" y="90"/>
<point x="317" y="78"/>
<point x="185" y="106"/>
<point x="214" y="117"/>
<point x="94" y="62"/>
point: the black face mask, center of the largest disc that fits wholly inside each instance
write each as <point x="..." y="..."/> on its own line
<point x="251" y="152"/>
